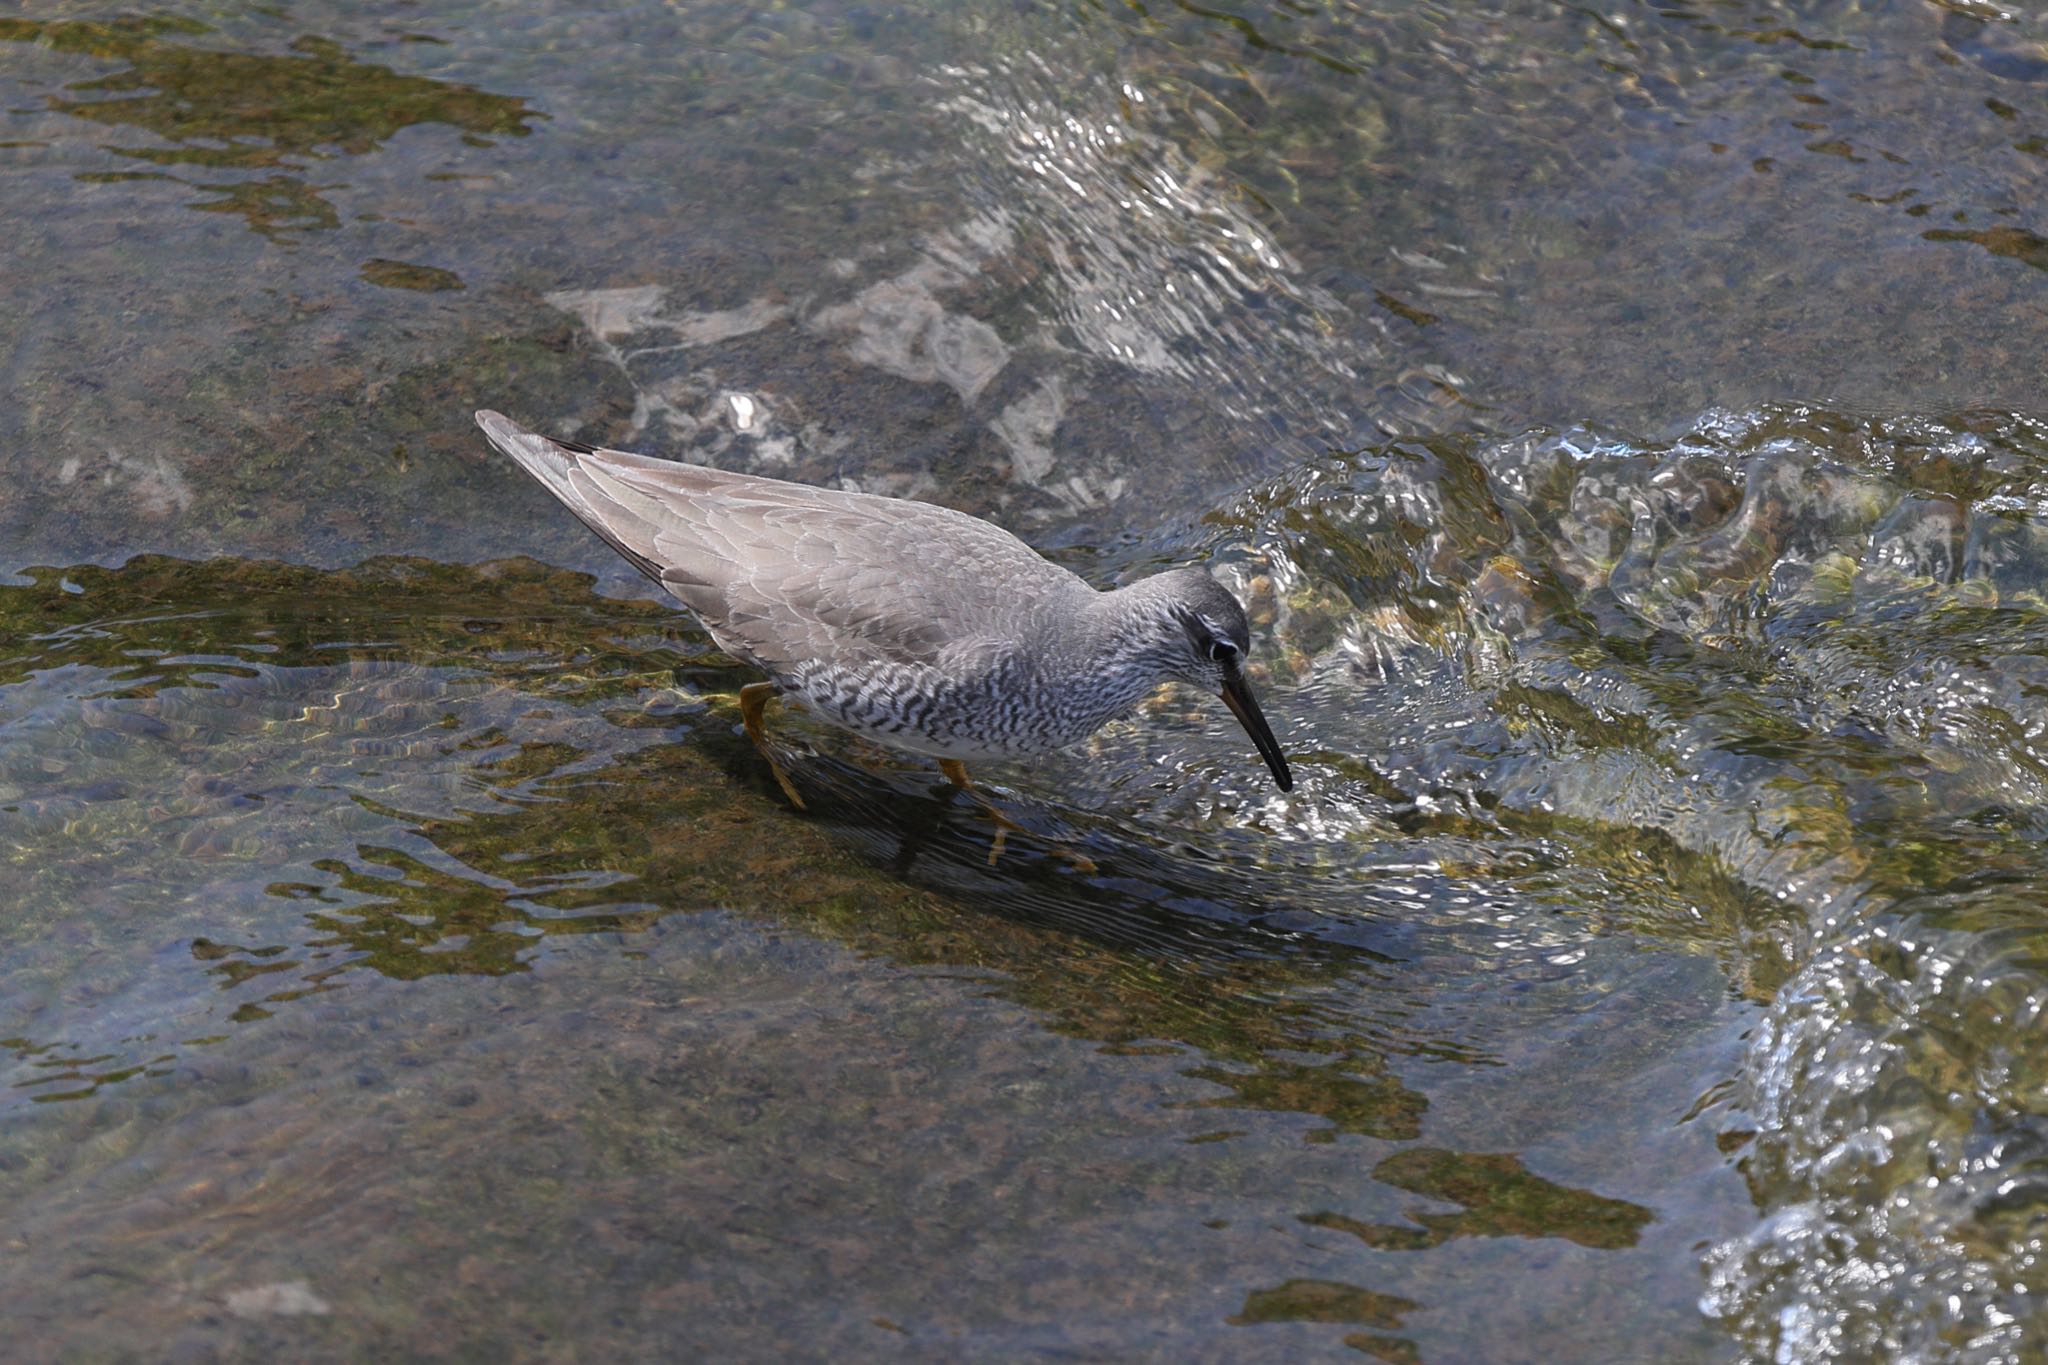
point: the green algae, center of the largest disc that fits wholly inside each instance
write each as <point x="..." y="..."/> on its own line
<point x="425" y="279"/>
<point x="228" y="110"/>
<point x="1500" y="1198"/>
<point x="1322" y="1301"/>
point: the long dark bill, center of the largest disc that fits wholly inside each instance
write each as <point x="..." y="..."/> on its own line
<point x="1238" y="697"/>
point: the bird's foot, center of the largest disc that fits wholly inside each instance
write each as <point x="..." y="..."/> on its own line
<point x="782" y="780"/>
<point x="956" y="773"/>
<point x="753" y="697"/>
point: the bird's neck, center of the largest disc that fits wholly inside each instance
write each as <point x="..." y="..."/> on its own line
<point x="1120" y="645"/>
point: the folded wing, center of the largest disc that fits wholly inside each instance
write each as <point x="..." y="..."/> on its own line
<point x="784" y="574"/>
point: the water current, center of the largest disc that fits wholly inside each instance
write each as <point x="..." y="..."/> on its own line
<point x="1622" y="423"/>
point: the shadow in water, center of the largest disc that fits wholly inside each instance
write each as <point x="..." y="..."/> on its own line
<point x="412" y="700"/>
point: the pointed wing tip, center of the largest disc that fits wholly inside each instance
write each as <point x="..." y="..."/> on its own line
<point x="536" y="454"/>
<point x="497" y="425"/>
<point x="522" y="444"/>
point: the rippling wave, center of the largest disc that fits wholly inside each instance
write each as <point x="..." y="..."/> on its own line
<point x="1811" y="652"/>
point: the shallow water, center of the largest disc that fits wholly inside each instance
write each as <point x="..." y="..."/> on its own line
<point x="1621" y="425"/>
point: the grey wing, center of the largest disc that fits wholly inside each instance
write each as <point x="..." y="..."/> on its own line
<point x="787" y="574"/>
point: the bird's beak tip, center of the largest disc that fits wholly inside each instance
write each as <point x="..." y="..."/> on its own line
<point x="1238" y="697"/>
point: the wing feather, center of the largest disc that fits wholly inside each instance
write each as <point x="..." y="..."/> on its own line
<point x="785" y="574"/>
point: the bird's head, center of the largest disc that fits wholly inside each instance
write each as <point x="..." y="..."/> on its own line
<point x="1196" y="633"/>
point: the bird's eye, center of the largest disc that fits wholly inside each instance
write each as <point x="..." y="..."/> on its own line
<point x="1222" y="651"/>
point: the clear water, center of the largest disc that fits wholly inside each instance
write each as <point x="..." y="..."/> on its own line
<point x="1620" y="422"/>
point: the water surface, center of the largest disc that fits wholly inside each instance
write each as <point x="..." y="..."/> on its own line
<point x="1621" y="425"/>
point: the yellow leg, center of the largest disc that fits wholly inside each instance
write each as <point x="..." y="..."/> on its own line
<point x="753" y="697"/>
<point x="956" y="773"/>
